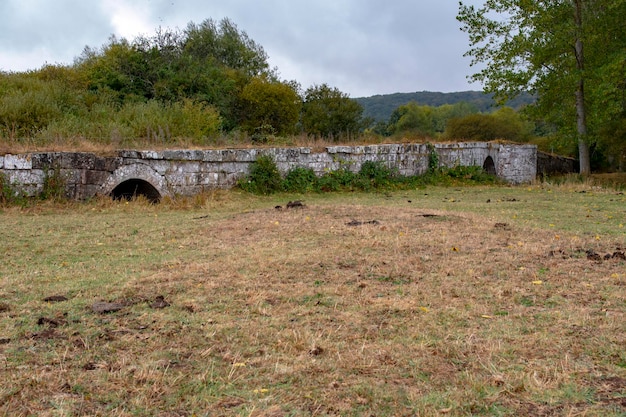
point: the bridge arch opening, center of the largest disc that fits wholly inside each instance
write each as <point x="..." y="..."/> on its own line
<point x="489" y="166"/>
<point x="132" y="188"/>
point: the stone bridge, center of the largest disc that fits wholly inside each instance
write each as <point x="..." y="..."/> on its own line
<point x="157" y="174"/>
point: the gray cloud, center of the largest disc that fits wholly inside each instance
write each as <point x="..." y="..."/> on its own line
<point x="362" y="47"/>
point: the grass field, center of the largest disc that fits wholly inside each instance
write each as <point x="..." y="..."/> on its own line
<point x="481" y="301"/>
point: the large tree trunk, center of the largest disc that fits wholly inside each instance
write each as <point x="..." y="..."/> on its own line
<point x="581" y="124"/>
<point x="581" y="110"/>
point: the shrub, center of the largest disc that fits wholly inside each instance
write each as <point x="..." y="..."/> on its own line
<point x="24" y="113"/>
<point x="336" y="180"/>
<point x="433" y="158"/>
<point x="374" y="175"/>
<point x="300" y="180"/>
<point x="53" y="185"/>
<point x="163" y="122"/>
<point x="6" y="190"/>
<point x="9" y="194"/>
<point x="264" y="177"/>
<point x="502" y="124"/>
<point x="468" y="175"/>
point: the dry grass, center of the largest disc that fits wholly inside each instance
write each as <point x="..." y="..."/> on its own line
<point x="451" y="302"/>
<point x="233" y="141"/>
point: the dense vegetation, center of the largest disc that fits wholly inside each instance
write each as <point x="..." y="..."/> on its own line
<point x="265" y="178"/>
<point x="211" y="85"/>
<point x="570" y="54"/>
<point x="193" y="85"/>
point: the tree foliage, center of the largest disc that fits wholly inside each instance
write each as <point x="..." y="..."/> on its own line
<point x="505" y="124"/>
<point x="570" y="53"/>
<point x="426" y="121"/>
<point x="210" y="62"/>
<point x="270" y="105"/>
<point x="329" y="113"/>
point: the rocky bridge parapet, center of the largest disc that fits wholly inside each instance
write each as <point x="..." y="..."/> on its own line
<point x="156" y="174"/>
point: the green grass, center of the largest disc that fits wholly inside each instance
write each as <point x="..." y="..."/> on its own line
<point x="457" y="301"/>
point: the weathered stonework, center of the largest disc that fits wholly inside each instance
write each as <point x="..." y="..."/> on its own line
<point x="549" y="164"/>
<point x="188" y="172"/>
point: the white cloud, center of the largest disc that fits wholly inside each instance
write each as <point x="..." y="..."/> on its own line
<point x="362" y="47"/>
<point x="129" y="19"/>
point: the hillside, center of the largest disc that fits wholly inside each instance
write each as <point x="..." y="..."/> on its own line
<point x="380" y="107"/>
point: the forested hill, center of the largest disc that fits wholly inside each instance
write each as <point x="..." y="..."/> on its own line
<point x="380" y="107"/>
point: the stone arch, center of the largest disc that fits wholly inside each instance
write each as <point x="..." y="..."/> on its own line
<point x="129" y="189"/>
<point x="489" y="166"/>
<point x="133" y="180"/>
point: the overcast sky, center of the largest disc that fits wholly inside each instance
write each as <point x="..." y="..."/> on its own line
<point x="362" y="47"/>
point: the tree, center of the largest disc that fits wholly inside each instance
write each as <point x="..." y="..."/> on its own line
<point x="504" y="124"/>
<point x="118" y="69"/>
<point x="412" y="117"/>
<point x="329" y="113"/>
<point x="226" y="45"/>
<point x="446" y="112"/>
<point x="557" y="50"/>
<point x="209" y="63"/>
<point x="425" y="120"/>
<point x="270" y="105"/>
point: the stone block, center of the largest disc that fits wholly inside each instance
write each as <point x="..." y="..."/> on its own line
<point x="185" y="167"/>
<point x="161" y="166"/>
<point x="75" y="160"/>
<point x="209" y="179"/>
<point x="246" y="155"/>
<point x="25" y="178"/>
<point x="22" y="161"/>
<point x="129" y="153"/>
<point x="71" y="176"/>
<point x="339" y="149"/>
<point x="92" y="177"/>
<point x="228" y="155"/>
<point x="212" y="156"/>
<point x="175" y="155"/>
<point x="107" y="164"/>
<point x="44" y="159"/>
<point x="150" y="155"/>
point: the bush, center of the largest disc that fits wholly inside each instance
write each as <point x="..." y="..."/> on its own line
<point x="300" y="180"/>
<point x="433" y="158"/>
<point x="336" y="180"/>
<point x="9" y="194"/>
<point x="461" y="175"/>
<point x="482" y="127"/>
<point x="53" y="185"/>
<point x="264" y="177"/>
<point x="374" y="175"/>
<point x="160" y="122"/>
<point x="24" y="113"/>
<point x="6" y="190"/>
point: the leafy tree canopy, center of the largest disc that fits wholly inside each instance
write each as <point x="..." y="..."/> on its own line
<point x="329" y="113"/>
<point x="426" y="121"/>
<point x="569" y="53"/>
<point x="270" y="106"/>
<point x="504" y="124"/>
<point x="209" y="62"/>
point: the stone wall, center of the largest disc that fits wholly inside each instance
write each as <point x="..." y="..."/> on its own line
<point x="549" y="164"/>
<point x="188" y="172"/>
